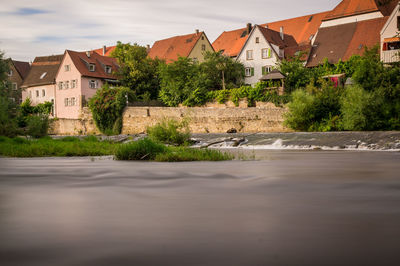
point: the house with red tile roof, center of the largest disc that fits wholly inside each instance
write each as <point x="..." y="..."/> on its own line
<point x="263" y="49"/>
<point x="191" y="46"/>
<point x="105" y="51"/>
<point x="79" y="76"/>
<point x="390" y="37"/>
<point x="18" y="72"/>
<point x="303" y="29"/>
<point x="350" y="27"/>
<point x="39" y="85"/>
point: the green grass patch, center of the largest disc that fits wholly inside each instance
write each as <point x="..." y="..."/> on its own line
<point x="149" y="150"/>
<point x="47" y="147"/>
<point x="170" y="131"/>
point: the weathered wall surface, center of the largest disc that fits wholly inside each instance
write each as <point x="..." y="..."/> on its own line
<point x="214" y="118"/>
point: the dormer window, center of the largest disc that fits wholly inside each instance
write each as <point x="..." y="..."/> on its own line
<point x="43" y="75"/>
<point x="108" y="69"/>
<point x="92" y="67"/>
<point x="67" y="68"/>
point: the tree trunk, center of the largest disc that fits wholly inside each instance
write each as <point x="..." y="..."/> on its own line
<point x="223" y="80"/>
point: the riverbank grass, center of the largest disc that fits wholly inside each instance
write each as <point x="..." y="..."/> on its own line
<point x="48" y="147"/>
<point x="142" y="150"/>
<point x="147" y="149"/>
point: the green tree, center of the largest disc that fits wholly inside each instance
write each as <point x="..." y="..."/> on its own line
<point x="107" y="106"/>
<point x="183" y="81"/>
<point x="137" y="71"/>
<point x="222" y="71"/>
<point x="8" y="107"/>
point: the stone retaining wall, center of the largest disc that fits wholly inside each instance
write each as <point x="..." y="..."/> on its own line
<point x="214" y="118"/>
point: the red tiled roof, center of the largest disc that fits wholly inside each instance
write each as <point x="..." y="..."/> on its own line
<point x="367" y="34"/>
<point x="386" y="6"/>
<point x="342" y="41"/>
<point x="274" y="37"/>
<point x="352" y="7"/>
<point x="301" y="28"/>
<point x="41" y="65"/>
<point x="82" y="61"/>
<point x="22" y="68"/>
<point x="172" y="48"/>
<point x="304" y="49"/>
<point x="109" y="50"/>
<point x="231" y="42"/>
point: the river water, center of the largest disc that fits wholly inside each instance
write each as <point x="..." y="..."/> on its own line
<point x="285" y="208"/>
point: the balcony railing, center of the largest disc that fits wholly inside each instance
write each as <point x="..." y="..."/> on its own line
<point x="391" y="56"/>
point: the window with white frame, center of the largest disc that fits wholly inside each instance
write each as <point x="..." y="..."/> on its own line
<point x="249" y="54"/>
<point x="73" y="101"/>
<point x="266" y="69"/>
<point x="43" y="92"/>
<point x="37" y="93"/>
<point x="14" y="86"/>
<point x="66" y="85"/>
<point x="67" y="68"/>
<point x="92" y="67"/>
<point x="249" y="71"/>
<point x="73" y="83"/>
<point x="66" y="101"/>
<point x="93" y="84"/>
<point x="60" y="85"/>
<point x="108" y="69"/>
<point x="265" y="53"/>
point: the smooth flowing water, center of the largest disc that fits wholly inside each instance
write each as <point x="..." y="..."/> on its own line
<point x="289" y="208"/>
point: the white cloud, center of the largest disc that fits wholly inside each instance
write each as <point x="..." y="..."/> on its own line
<point x="44" y="27"/>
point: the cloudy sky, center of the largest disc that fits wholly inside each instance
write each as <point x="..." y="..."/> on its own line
<point x="43" y="27"/>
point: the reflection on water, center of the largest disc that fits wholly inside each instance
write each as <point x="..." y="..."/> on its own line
<point x="290" y="208"/>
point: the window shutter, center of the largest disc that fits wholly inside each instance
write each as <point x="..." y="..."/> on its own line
<point x="97" y="84"/>
<point x="252" y="71"/>
<point x="269" y="52"/>
<point x="263" y="70"/>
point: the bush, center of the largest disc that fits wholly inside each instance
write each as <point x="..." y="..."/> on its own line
<point x="107" y="106"/>
<point x="301" y="113"/>
<point x="354" y="102"/>
<point x="37" y="125"/>
<point x="190" y="154"/>
<point x="8" y="125"/>
<point x="144" y="149"/>
<point x="170" y="131"/>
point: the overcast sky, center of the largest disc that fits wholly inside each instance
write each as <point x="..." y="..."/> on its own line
<point x="32" y="28"/>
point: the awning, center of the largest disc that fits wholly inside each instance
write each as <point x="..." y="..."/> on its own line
<point x="394" y="39"/>
<point x="273" y="75"/>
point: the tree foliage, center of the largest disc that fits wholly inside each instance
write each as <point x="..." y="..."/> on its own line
<point x="137" y="71"/>
<point x="107" y="106"/>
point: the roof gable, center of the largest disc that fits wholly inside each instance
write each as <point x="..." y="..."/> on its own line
<point x="22" y="68"/>
<point x="348" y="8"/>
<point x="82" y="61"/>
<point x="172" y="48"/>
<point x="41" y="65"/>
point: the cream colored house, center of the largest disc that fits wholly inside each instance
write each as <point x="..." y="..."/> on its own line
<point x="390" y="38"/>
<point x="192" y="46"/>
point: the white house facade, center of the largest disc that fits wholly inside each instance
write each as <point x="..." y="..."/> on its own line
<point x="263" y="49"/>
<point x="390" y="38"/>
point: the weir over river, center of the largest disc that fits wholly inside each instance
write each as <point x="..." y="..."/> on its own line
<point x="287" y="208"/>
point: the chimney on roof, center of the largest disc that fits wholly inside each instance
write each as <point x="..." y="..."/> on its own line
<point x="282" y="34"/>
<point x="88" y="54"/>
<point x="148" y="47"/>
<point x="266" y="26"/>
<point x="104" y="50"/>
<point x="197" y="31"/>
<point x="249" y="28"/>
